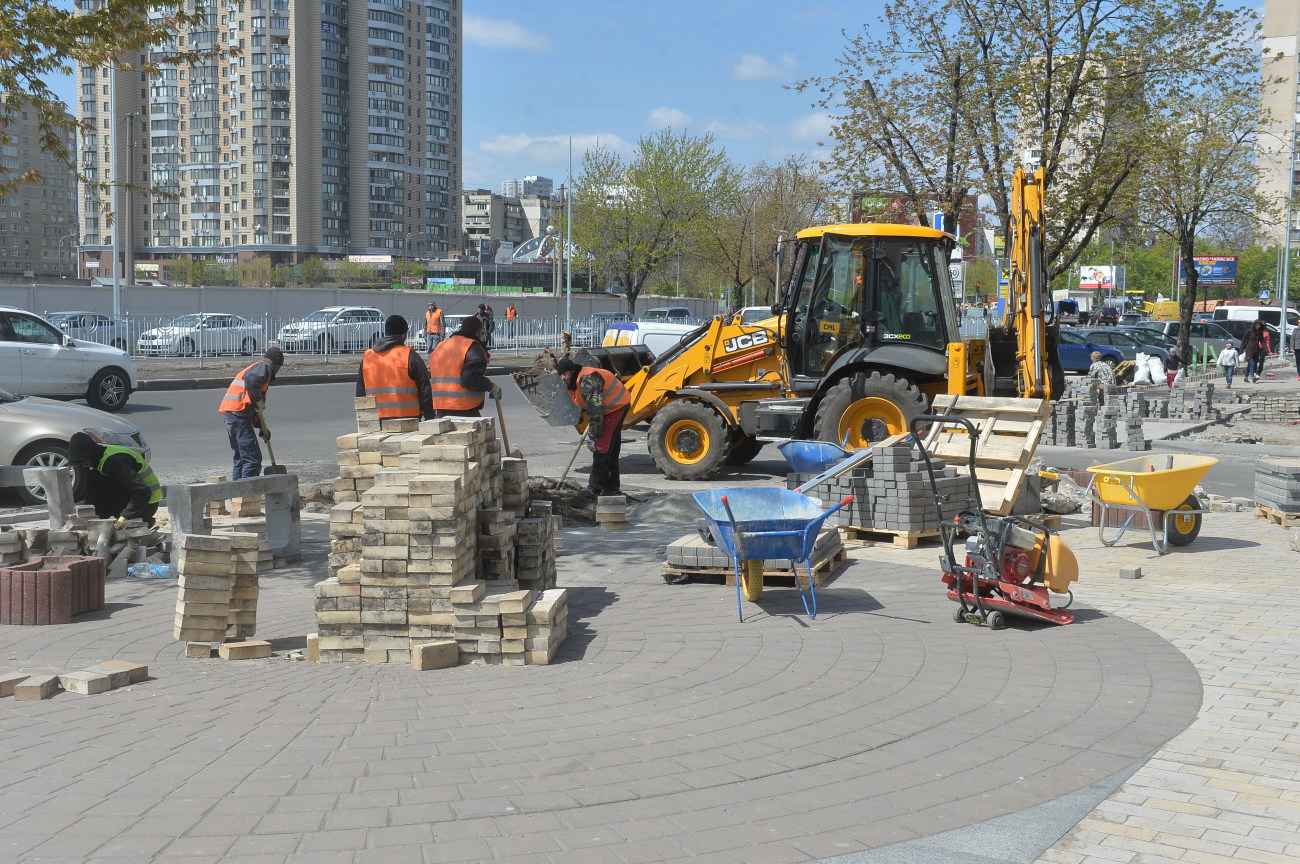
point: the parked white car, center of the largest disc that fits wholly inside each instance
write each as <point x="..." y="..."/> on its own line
<point x="418" y="339"/>
<point x="34" y="433"/>
<point x="334" y="328"/>
<point x="209" y="333"/>
<point x="93" y="327"/>
<point x="38" y="359"/>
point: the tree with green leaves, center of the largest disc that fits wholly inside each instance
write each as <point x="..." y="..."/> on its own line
<point x="1198" y="170"/>
<point x="352" y="272"/>
<point x="633" y="216"/>
<point x="41" y="39"/>
<point x="314" y="272"/>
<point x="409" y="271"/>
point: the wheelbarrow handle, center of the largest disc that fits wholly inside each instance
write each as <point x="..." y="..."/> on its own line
<point x="726" y="505"/>
<point x="847" y="499"/>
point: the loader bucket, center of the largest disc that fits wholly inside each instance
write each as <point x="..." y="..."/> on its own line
<point x="548" y="395"/>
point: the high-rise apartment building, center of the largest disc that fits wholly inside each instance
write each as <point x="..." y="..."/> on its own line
<point x="532" y="185"/>
<point x="333" y="130"/>
<point x="1279" y="176"/>
<point x="38" y="220"/>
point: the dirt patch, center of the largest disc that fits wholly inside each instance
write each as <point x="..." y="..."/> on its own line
<point x="1243" y="430"/>
<point x="573" y="502"/>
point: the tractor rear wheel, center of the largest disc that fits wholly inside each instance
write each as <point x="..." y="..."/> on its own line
<point x="688" y="440"/>
<point x="865" y="408"/>
<point x="744" y="451"/>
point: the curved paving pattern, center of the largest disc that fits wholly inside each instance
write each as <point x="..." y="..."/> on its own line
<point x="667" y="731"/>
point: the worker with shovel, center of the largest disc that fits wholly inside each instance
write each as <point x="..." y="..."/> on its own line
<point x="605" y="401"/>
<point x="242" y="406"/>
<point x="457" y="371"/>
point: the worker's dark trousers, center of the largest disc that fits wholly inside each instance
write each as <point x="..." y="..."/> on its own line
<point x="243" y="440"/>
<point x="108" y="499"/>
<point x="604" y="466"/>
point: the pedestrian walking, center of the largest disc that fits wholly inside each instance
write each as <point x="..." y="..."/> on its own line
<point x="1100" y="371"/>
<point x="458" y="372"/>
<point x="1227" y="361"/>
<point x="432" y="326"/>
<point x="243" y="404"/>
<point x="119" y="483"/>
<point x="485" y="315"/>
<point x="605" y="401"/>
<point x="395" y="375"/>
<point x="1254" y="348"/>
<point x="1172" y="367"/>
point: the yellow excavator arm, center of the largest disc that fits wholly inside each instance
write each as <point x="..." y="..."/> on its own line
<point x="1026" y="311"/>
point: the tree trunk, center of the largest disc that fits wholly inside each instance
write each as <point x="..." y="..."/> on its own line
<point x="1188" y="301"/>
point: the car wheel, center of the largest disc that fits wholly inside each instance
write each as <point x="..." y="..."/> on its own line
<point x="1109" y="361"/>
<point x="43" y="454"/>
<point x="186" y="348"/>
<point x="109" y="389"/>
<point x="119" y="344"/>
<point x="325" y="345"/>
<point x="249" y="346"/>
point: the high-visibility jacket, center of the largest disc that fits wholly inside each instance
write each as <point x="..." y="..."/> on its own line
<point x="445" y="365"/>
<point x="237" y="398"/>
<point x="615" y="394"/>
<point x="433" y="322"/>
<point x="388" y="379"/>
<point x="146" y="473"/>
<point x="511" y="313"/>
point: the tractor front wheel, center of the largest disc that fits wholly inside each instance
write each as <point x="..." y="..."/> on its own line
<point x="688" y="441"/>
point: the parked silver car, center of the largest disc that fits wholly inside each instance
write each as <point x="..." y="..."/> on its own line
<point x="334" y="328"/>
<point x="34" y="432"/>
<point x="93" y="327"/>
<point x="209" y="333"/>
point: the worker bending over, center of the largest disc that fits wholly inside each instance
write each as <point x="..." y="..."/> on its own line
<point x="243" y="404"/>
<point x="119" y="483"/>
<point x="605" y="400"/>
<point x="458" y="372"/>
<point x="396" y="375"/>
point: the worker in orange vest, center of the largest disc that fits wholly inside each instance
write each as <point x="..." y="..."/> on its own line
<point x="458" y="370"/>
<point x="395" y="375"/>
<point x="433" y="325"/>
<point x="605" y="400"/>
<point x="511" y="314"/>
<point x="242" y="404"/>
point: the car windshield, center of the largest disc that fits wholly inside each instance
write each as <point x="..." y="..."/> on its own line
<point x="185" y="321"/>
<point x="321" y="315"/>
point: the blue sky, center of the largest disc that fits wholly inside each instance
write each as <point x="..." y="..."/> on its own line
<point x="617" y="71"/>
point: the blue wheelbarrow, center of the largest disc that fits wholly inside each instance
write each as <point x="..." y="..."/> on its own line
<point x="753" y="525"/>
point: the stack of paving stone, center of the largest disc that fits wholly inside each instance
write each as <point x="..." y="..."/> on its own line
<point x="203" y="603"/>
<point x="1277" y="484"/>
<point x="611" y="512"/>
<point x="427" y="553"/>
<point x="13" y="549"/>
<point x="1107" y="432"/>
<point x="1274" y="407"/>
<point x="892" y="494"/>
<point x="245" y="507"/>
<point x="241" y="620"/>
<point x="535" y="548"/>
<point x="514" y="485"/>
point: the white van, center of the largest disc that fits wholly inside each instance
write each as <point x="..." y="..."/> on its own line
<point x="1268" y="314"/>
<point x="658" y="336"/>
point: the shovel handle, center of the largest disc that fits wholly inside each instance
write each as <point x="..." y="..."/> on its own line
<point x="501" y="421"/>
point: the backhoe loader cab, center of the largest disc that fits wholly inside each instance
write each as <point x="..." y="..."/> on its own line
<point x="870" y="316"/>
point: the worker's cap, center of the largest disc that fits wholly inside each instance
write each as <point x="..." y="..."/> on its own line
<point x="395" y="325"/>
<point x="567" y="364"/>
<point x="275" y="356"/>
<point x="482" y="305"/>
<point x="431" y="303"/>
<point x="82" y="448"/>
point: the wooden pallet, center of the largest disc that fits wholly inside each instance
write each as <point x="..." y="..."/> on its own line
<point x="872" y="537"/>
<point x="1278" y="517"/>
<point x="823" y="571"/>
<point x="1007" y="432"/>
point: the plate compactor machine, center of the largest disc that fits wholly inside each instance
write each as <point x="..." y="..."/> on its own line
<point x="1009" y="565"/>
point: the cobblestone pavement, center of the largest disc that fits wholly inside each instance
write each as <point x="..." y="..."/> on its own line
<point x="1228" y="788"/>
<point x="667" y="731"/>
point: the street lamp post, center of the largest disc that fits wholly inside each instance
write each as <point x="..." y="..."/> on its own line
<point x="63" y="257"/>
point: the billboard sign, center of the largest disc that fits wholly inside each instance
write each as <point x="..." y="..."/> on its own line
<point x="1212" y="270"/>
<point x="1101" y="278"/>
<point x="504" y="252"/>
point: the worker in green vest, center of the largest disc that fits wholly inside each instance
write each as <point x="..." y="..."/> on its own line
<point x="118" y="481"/>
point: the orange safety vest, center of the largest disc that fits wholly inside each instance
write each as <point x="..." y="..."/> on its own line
<point x="616" y="395"/>
<point x="511" y="313"/>
<point x="388" y="379"/>
<point x="433" y="322"/>
<point x="445" y="365"/>
<point x="236" y="398"/>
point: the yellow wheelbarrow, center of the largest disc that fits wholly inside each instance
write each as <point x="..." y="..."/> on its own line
<point x="1161" y="487"/>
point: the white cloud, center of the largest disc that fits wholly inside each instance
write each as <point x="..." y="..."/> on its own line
<point x="752" y="67"/>
<point x="549" y="149"/>
<point x="491" y="33"/>
<point x="744" y="129"/>
<point x="812" y="127"/>
<point x="661" y="118"/>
